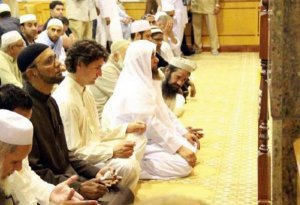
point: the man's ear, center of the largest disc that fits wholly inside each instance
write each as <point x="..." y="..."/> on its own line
<point x="30" y="73"/>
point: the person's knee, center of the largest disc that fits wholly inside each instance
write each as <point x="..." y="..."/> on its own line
<point x="129" y="168"/>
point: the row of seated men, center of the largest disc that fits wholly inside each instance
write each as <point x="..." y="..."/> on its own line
<point x="135" y="137"/>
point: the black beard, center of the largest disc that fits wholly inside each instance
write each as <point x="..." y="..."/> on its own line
<point x="51" y="80"/>
<point x="168" y="90"/>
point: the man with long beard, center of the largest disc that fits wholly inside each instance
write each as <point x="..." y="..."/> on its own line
<point x="176" y="75"/>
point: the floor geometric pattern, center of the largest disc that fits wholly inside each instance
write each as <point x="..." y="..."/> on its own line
<point x="226" y="108"/>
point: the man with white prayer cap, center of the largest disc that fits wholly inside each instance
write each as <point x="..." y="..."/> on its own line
<point x="177" y="73"/>
<point x="7" y="22"/>
<point x="104" y="85"/>
<point x="163" y="50"/>
<point x="121" y="148"/>
<point x="170" y="151"/>
<point x="16" y="177"/>
<point x="52" y="37"/>
<point x="28" y="26"/>
<point x="140" y="30"/>
<point x="11" y="45"/>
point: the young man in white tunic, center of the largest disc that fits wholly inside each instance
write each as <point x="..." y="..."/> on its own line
<point x="170" y="151"/>
<point x="16" y="177"/>
<point x="77" y="107"/>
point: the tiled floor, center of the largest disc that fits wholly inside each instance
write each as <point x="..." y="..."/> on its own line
<point x="226" y="108"/>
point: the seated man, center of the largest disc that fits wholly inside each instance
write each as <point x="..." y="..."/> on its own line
<point x="52" y="37"/>
<point x="28" y="25"/>
<point x="50" y="157"/>
<point x="110" y="71"/>
<point x="140" y="30"/>
<point x="176" y="74"/>
<point x="81" y="122"/>
<point x="7" y="22"/>
<point x="170" y="151"/>
<point x="11" y="45"/>
<point x="56" y="11"/>
<point x="16" y="177"/>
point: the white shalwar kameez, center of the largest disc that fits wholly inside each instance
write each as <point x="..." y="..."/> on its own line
<point x="84" y="136"/>
<point x="112" y="32"/>
<point x="138" y="97"/>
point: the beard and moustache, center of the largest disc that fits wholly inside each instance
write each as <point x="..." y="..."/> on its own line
<point x="169" y="91"/>
<point x="51" y="80"/>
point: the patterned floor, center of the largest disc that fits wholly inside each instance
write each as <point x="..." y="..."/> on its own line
<point x="226" y="108"/>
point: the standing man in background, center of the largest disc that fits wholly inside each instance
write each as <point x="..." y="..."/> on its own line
<point x="209" y="9"/>
<point x="81" y="15"/>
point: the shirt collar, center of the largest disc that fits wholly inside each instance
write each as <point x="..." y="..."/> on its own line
<point x="35" y="93"/>
<point x="11" y="59"/>
<point x="74" y="83"/>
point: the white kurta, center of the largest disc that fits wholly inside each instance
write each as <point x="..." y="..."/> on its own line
<point x="85" y="137"/>
<point x="138" y="97"/>
<point x="27" y="188"/>
<point x="9" y="71"/>
<point x="112" y="32"/>
<point x="166" y="51"/>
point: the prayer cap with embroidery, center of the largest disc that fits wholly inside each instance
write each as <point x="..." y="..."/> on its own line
<point x="183" y="63"/>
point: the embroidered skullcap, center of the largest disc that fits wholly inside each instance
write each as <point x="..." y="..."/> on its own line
<point x="183" y="63"/>
<point x="159" y="14"/>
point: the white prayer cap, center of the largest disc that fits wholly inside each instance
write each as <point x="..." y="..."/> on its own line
<point x="140" y="25"/>
<point x="4" y="7"/>
<point x="183" y="63"/>
<point x="115" y="46"/>
<point x="10" y="38"/>
<point x="15" y="129"/>
<point x="155" y="29"/>
<point x="27" y="17"/>
<point x="55" y="22"/>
